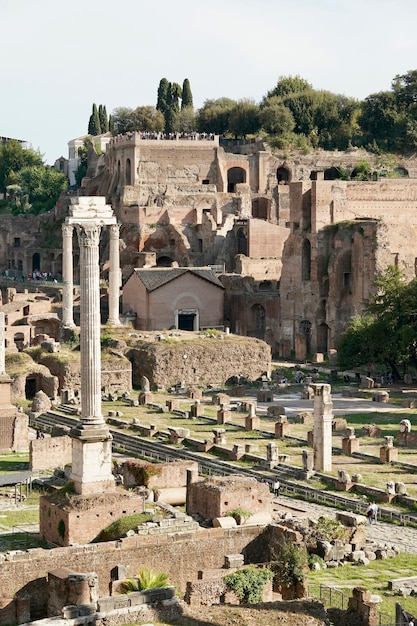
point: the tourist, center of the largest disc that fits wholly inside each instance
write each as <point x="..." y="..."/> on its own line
<point x="276" y="487"/>
<point x="371" y="513"/>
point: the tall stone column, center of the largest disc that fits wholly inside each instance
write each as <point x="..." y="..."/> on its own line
<point x="67" y="277"/>
<point x="91" y="448"/>
<point x="322" y="430"/>
<point x="114" y="276"/>
<point x="2" y="346"/>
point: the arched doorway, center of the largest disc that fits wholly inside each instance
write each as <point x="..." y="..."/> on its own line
<point x="242" y="242"/>
<point x="305" y="330"/>
<point x="19" y="340"/>
<point x="306" y="260"/>
<point x="128" y="177"/>
<point x="164" y="261"/>
<point x="261" y="208"/>
<point x="332" y="173"/>
<point x="36" y="262"/>
<point x="258" y="316"/>
<point x="322" y="338"/>
<point x="283" y="176"/>
<point x="235" y="176"/>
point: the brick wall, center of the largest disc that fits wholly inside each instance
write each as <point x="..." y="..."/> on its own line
<point x="181" y="556"/>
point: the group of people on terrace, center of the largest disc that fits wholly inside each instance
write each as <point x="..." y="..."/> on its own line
<point x="193" y="136"/>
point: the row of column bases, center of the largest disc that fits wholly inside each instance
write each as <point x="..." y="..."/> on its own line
<point x="88" y="240"/>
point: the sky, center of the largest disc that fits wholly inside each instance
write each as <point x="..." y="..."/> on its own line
<point x="57" y="59"/>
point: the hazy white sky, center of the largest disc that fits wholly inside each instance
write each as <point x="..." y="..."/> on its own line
<point x="58" y="58"/>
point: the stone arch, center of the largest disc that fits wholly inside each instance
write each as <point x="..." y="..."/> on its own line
<point x="323" y="338"/>
<point x="305" y="330"/>
<point x="306" y="260"/>
<point x="242" y="242"/>
<point x="401" y="171"/>
<point x="235" y="176"/>
<point x="257" y="321"/>
<point x="164" y="261"/>
<point x="36" y="262"/>
<point x="128" y="172"/>
<point x="283" y="176"/>
<point x="19" y="340"/>
<point x="261" y="208"/>
<point x="265" y="285"/>
<point x="332" y="173"/>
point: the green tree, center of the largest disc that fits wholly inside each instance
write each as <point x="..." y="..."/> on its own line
<point x="162" y="97"/>
<point x="244" y="119"/>
<point x="382" y="122"/>
<point x="123" y="120"/>
<point x="42" y="185"/>
<point x="290" y="564"/>
<point x="173" y="107"/>
<point x="187" y="121"/>
<point x="13" y="157"/>
<point x="275" y="118"/>
<point x="214" y="116"/>
<point x="289" y="85"/>
<point x="387" y="331"/>
<point x="104" y="122"/>
<point x="83" y="162"/>
<point x="148" y="118"/>
<point x="187" y="96"/>
<point x="94" y="122"/>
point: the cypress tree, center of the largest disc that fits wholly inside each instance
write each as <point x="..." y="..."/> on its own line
<point x="94" y="123"/>
<point x="104" y="123"/>
<point x="187" y="96"/>
<point x="162" y="100"/>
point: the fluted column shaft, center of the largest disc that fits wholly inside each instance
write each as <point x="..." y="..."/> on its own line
<point x="114" y="275"/>
<point x="67" y="277"/>
<point x="90" y="347"/>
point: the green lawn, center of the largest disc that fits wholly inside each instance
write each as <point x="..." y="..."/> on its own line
<point x="374" y="577"/>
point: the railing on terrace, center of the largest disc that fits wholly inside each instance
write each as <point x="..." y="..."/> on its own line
<point x="333" y="598"/>
<point x="337" y="501"/>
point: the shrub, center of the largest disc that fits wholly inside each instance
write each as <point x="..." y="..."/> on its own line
<point x="145" y="579"/>
<point x="290" y="565"/>
<point x="249" y="583"/>
<point x="239" y="514"/>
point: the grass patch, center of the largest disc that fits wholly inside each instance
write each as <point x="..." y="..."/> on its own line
<point x="16" y="462"/>
<point x="119" y="528"/>
<point x="374" y="577"/>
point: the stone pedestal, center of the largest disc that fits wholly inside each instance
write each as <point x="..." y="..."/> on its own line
<point x="388" y="454"/>
<point x="350" y="445"/>
<point x="252" y="423"/>
<point x="145" y="397"/>
<point x="310" y="438"/>
<point x="219" y="436"/>
<point x="173" y="404"/>
<point x="282" y="429"/>
<point x="342" y="486"/>
<point x="224" y="416"/>
<point x="265" y="395"/>
<point x="271" y="452"/>
<point x="197" y="409"/>
<point x="237" y="452"/>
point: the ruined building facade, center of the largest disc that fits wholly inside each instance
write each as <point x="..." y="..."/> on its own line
<point x="296" y="249"/>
